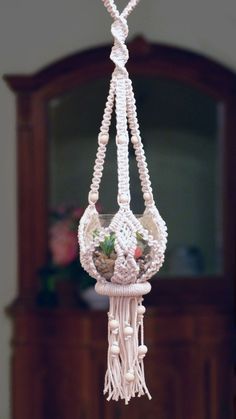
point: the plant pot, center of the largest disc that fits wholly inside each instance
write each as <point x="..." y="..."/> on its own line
<point x="105" y="255"/>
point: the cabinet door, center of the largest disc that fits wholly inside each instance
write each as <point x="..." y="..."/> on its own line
<point x="68" y="385"/>
<point x="173" y="392"/>
<point x="28" y="376"/>
<point x="189" y="373"/>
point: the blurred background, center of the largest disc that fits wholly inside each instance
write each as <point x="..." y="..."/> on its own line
<point x="180" y="124"/>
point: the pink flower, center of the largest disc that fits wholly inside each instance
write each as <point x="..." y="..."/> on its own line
<point x="63" y="243"/>
<point x="138" y="252"/>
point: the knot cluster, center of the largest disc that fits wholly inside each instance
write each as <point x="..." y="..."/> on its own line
<point x="119" y="53"/>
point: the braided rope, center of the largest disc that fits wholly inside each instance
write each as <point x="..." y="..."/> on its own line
<point x="102" y="145"/>
<point x="136" y="140"/>
<point x="106" y="121"/>
<point x="112" y="9"/>
<point x="129" y="8"/>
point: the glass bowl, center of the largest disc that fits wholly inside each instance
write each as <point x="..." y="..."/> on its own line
<point x="105" y="255"/>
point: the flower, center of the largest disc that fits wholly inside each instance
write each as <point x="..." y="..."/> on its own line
<point x="64" y="262"/>
<point x="138" y="252"/>
<point x="63" y="243"/>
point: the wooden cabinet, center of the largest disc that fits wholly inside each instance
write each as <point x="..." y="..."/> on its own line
<point x="59" y="355"/>
<point x="59" y="364"/>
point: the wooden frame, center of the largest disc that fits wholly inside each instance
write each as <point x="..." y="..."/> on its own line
<point x="34" y="91"/>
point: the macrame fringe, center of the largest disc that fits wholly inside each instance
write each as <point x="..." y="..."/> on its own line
<point x="125" y="368"/>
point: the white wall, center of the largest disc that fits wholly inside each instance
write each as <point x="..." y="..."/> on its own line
<point x="33" y="34"/>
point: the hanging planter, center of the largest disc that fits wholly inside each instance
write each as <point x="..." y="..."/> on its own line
<point x="122" y="251"/>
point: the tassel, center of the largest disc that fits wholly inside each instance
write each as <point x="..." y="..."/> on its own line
<point x="126" y="350"/>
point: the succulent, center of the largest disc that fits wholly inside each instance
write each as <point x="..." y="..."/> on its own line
<point x="104" y="256"/>
<point x="108" y="245"/>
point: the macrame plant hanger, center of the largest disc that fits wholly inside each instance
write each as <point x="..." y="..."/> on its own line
<point x="126" y="252"/>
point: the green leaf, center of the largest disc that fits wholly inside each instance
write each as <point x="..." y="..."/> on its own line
<point x="108" y="245"/>
<point x="139" y="236"/>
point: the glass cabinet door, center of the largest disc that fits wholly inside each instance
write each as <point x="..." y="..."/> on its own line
<point x="179" y="126"/>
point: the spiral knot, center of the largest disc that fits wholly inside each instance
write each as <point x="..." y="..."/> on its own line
<point x="119" y="53"/>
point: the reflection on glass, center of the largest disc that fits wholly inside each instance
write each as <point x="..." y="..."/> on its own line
<point x="180" y="134"/>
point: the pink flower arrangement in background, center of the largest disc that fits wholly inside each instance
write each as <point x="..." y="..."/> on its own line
<point x="63" y="241"/>
<point x="63" y="262"/>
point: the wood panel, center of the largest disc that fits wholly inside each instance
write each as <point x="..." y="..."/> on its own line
<point x="60" y="360"/>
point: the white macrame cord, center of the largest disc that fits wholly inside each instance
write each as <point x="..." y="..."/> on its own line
<point x="127" y="281"/>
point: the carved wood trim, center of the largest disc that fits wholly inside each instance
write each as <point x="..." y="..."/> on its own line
<point x="191" y="65"/>
<point x="25" y="173"/>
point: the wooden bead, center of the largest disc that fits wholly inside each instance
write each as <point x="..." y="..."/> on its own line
<point x="121" y="139"/>
<point x="142" y="350"/>
<point x="123" y="199"/>
<point x="129" y="376"/>
<point x="93" y="197"/>
<point x="147" y="196"/>
<point x="115" y="350"/>
<point x="114" y="324"/>
<point x="128" y="331"/>
<point x="141" y="309"/>
<point x="134" y="139"/>
<point x="103" y="139"/>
